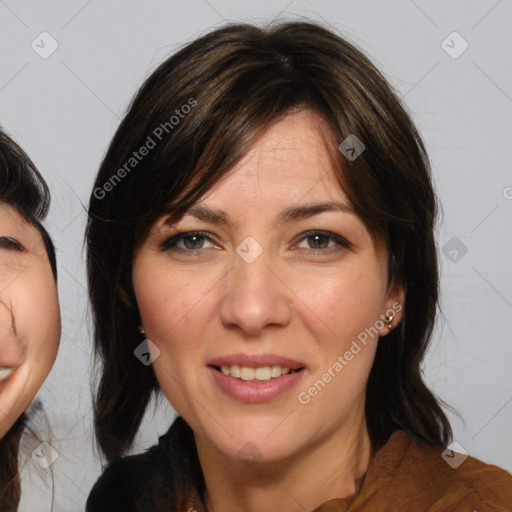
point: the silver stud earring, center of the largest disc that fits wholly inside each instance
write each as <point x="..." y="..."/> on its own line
<point x="389" y="320"/>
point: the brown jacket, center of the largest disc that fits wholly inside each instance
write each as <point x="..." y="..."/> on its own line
<point x="404" y="476"/>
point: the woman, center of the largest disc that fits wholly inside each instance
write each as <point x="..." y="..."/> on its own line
<point x="261" y="250"/>
<point x="29" y="309"/>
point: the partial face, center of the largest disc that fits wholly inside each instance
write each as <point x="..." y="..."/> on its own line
<point x="29" y="316"/>
<point x="234" y="306"/>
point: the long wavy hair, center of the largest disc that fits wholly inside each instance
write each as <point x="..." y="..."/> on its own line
<point x="196" y="115"/>
<point x="22" y="188"/>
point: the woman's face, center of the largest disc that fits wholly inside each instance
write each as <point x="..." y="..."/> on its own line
<point x="29" y="315"/>
<point x="267" y="282"/>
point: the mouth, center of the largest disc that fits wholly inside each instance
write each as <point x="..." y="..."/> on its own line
<point x="255" y="378"/>
<point x="260" y="373"/>
<point x="261" y="367"/>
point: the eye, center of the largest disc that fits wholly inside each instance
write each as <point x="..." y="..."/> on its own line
<point x="319" y="240"/>
<point x="192" y="241"/>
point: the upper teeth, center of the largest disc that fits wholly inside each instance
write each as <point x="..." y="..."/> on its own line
<point x="260" y="373"/>
<point x="5" y="372"/>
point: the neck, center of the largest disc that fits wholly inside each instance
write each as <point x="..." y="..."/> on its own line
<point x="333" y="468"/>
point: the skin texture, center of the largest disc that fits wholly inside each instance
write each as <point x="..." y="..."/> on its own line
<point x="292" y="301"/>
<point x="29" y="315"/>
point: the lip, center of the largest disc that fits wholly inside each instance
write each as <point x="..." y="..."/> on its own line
<point x="255" y="391"/>
<point x="256" y="360"/>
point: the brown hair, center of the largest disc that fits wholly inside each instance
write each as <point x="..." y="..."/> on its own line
<point x="238" y="80"/>
<point x="24" y="189"/>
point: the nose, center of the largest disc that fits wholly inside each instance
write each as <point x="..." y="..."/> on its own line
<point x="255" y="297"/>
<point x="12" y="347"/>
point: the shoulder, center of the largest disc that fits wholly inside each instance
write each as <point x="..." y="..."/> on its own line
<point x="129" y="484"/>
<point x="135" y="482"/>
<point x="443" y="476"/>
<point x="148" y="482"/>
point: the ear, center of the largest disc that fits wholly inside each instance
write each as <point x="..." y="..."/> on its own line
<point x="392" y="309"/>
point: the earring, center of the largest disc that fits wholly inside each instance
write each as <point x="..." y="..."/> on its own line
<point x="142" y="331"/>
<point x="389" y="320"/>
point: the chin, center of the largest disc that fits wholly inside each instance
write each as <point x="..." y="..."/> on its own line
<point x="254" y="438"/>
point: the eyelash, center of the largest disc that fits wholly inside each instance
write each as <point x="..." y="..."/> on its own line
<point x="171" y="242"/>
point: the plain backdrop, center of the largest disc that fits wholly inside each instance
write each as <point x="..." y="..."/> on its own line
<point x="64" y="107"/>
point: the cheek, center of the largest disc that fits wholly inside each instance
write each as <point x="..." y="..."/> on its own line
<point x="172" y="314"/>
<point x="346" y="301"/>
<point x="34" y="305"/>
<point x="169" y="302"/>
<point x="10" y="271"/>
<point x="37" y="315"/>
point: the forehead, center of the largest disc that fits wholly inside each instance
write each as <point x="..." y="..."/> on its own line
<point x="299" y="141"/>
<point x="293" y="157"/>
<point x="293" y="165"/>
<point x="10" y="219"/>
<point x="14" y="225"/>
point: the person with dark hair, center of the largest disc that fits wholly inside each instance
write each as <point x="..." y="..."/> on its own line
<point x="261" y="250"/>
<point x="29" y="308"/>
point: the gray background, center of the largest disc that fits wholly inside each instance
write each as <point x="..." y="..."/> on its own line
<point x="64" y="109"/>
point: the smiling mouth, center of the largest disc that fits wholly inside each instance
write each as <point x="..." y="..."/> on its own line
<point x="261" y="373"/>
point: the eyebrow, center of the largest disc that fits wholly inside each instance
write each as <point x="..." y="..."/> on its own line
<point x="296" y="212"/>
<point x="11" y="244"/>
